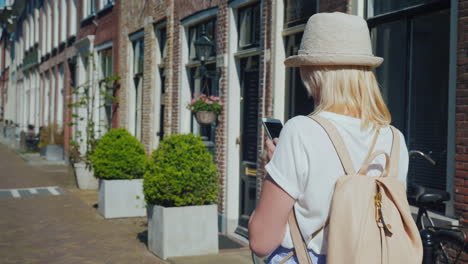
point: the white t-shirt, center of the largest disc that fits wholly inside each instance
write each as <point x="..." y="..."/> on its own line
<point x="306" y="166"/>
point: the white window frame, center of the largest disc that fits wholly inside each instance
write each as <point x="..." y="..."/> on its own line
<point x="73" y="18"/>
<point x="63" y="23"/>
<point x="56" y="24"/>
<point x="103" y="4"/>
<point x="102" y="111"/>
<point x="89" y="8"/>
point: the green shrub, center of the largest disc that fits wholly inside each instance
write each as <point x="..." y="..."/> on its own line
<point x="181" y="172"/>
<point x="118" y="155"/>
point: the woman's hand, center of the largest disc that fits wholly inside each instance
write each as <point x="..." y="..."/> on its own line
<point x="270" y="148"/>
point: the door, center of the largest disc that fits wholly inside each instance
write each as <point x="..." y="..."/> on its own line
<point x="249" y="68"/>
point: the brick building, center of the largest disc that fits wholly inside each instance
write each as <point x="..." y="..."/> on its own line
<point x="97" y="57"/>
<point x="151" y="45"/>
<point x="252" y="38"/>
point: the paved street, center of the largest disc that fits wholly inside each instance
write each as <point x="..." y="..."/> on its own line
<point x="59" y="223"/>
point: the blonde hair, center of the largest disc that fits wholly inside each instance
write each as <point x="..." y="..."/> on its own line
<point x="347" y="90"/>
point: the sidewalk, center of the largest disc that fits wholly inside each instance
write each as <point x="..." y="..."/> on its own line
<point x="62" y="225"/>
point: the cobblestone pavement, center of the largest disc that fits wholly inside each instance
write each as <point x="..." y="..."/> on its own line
<point x="63" y="227"/>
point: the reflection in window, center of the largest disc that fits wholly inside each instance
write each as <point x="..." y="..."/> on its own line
<point x="138" y="53"/>
<point x="249" y="26"/>
<point x="106" y="70"/>
<point x="386" y="6"/>
<point x="297" y="99"/>
<point x="298" y="11"/>
<point x="415" y="88"/>
<point x="196" y="31"/>
<point x="89" y="8"/>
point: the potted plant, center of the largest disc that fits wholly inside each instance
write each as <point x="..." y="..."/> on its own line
<point x="181" y="187"/>
<point x="206" y="108"/>
<point x="118" y="161"/>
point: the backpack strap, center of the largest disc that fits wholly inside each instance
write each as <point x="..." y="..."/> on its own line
<point x="299" y="244"/>
<point x="395" y="153"/>
<point x="391" y="164"/>
<point x="338" y="143"/>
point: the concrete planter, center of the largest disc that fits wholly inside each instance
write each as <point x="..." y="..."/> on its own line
<point x="182" y="231"/>
<point x="85" y="177"/>
<point x="52" y="152"/>
<point x="121" y="198"/>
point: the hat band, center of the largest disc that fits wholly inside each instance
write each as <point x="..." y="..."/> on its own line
<point x="305" y="52"/>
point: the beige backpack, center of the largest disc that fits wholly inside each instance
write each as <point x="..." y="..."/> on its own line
<point x="370" y="220"/>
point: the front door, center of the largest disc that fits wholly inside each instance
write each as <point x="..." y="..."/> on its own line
<point x="249" y="68"/>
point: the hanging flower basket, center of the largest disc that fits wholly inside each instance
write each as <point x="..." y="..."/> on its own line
<point x="206" y="117"/>
<point x="206" y="108"/>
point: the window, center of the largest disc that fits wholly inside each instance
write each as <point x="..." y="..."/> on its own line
<point x="298" y="11"/>
<point x="196" y="31"/>
<point x="160" y="60"/>
<point x="297" y="99"/>
<point x="138" y="53"/>
<point x="378" y="7"/>
<point x="415" y="86"/>
<point x="249" y="26"/>
<point x="89" y="8"/>
<point x="72" y="17"/>
<point x="63" y="19"/>
<point x="56" y="24"/>
<point x="200" y="83"/>
<point x="162" y="39"/>
<point x="105" y="3"/>
<point x="105" y="116"/>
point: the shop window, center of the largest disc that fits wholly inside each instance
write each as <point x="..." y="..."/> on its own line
<point x="249" y="26"/>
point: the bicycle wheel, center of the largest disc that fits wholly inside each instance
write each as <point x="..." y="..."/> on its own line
<point x="448" y="247"/>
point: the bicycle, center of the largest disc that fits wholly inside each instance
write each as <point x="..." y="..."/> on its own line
<point x="441" y="244"/>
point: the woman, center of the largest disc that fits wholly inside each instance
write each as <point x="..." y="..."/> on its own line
<point x="336" y="65"/>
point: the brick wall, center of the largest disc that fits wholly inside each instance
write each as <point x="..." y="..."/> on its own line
<point x="461" y="156"/>
<point x="136" y="16"/>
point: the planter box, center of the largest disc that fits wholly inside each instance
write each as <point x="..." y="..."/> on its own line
<point x="183" y="231"/>
<point x="52" y="152"/>
<point x="121" y="198"/>
<point x="85" y="177"/>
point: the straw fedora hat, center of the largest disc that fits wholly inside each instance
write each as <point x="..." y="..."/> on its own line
<point x="335" y="39"/>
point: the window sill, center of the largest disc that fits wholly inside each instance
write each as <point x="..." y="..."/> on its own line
<point x="248" y="52"/>
<point x="87" y="19"/>
<point x="105" y="9"/>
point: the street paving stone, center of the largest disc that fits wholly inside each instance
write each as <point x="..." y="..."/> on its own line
<point x="63" y="228"/>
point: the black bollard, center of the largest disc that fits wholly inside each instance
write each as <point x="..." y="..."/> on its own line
<point x="427" y="237"/>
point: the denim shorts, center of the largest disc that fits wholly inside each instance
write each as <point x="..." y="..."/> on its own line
<point x="280" y="253"/>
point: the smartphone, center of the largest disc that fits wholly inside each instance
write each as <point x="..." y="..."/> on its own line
<point x="273" y="127"/>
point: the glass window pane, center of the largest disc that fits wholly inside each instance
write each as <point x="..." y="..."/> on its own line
<point x="385" y="6"/>
<point x="298" y="11"/>
<point x="245" y="27"/>
<point x="429" y="86"/>
<point x="389" y="42"/>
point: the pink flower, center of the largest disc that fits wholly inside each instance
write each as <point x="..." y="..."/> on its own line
<point x="193" y="101"/>
<point x="203" y="96"/>
<point x="209" y="102"/>
<point x="213" y="97"/>
<point x="220" y="103"/>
